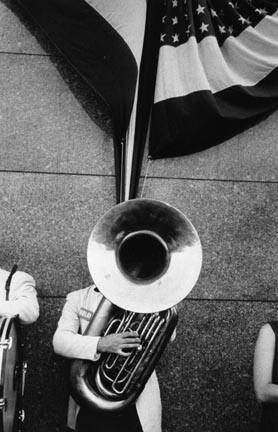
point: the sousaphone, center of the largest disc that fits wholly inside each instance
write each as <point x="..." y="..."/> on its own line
<point x="144" y="256"/>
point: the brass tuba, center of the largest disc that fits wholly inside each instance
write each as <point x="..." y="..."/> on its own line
<point x="144" y="256"/>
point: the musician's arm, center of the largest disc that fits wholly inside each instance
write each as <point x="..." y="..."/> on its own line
<point x="23" y="299"/>
<point x="265" y="390"/>
<point x="66" y="341"/>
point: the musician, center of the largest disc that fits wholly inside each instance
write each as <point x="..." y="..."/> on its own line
<point x="22" y="298"/>
<point x="68" y="342"/>
<point x="142" y="270"/>
<point x="266" y="375"/>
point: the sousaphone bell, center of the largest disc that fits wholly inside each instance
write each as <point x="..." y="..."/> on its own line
<point x="144" y="256"/>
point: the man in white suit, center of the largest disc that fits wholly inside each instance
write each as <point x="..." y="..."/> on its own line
<point x="136" y="282"/>
<point x="69" y="342"/>
<point x="21" y="299"/>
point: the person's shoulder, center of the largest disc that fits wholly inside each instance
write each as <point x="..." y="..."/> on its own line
<point x="19" y="278"/>
<point x="274" y="326"/>
<point x="268" y="329"/>
<point x="81" y="293"/>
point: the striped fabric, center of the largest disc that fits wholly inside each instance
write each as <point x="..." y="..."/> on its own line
<point x="217" y="72"/>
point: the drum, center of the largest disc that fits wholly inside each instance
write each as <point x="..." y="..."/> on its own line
<point x="12" y="375"/>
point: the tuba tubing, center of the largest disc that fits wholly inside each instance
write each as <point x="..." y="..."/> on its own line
<point x="84" y="373"/>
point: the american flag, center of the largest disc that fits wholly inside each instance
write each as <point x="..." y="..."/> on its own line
<point x="222" y="19"/>
<point x="208" y="69"/>
<point x="217" y="72"/>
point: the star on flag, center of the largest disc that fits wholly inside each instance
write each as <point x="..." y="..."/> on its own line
<point x="261" y="11"/>
<point x="200" y="9"/>
<point x="204" y="27"/>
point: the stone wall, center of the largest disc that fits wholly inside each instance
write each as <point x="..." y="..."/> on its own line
<point x="57" y="179"/>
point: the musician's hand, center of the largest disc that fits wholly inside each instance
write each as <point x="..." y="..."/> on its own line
<point x="118" y="343"/>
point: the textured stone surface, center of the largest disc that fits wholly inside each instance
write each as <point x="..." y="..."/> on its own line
<point x="252" y="155"/>
<point x="47" y="126"/>
<point x="236" y="223"/>
<point x="46" y="221"/>
<point x="14" y="36"/>
<point x="205" y="375"/>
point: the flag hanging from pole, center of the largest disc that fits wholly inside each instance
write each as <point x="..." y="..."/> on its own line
<point x="207" y="71"/>
<point x="217" y="72"/>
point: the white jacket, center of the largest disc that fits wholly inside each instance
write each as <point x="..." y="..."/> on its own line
<point x="76" y="314"/>
<point x="22" y="297"/>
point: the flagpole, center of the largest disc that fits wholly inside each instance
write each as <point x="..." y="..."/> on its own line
<point x="137" y="135"/>
<point x="129" y="151"/>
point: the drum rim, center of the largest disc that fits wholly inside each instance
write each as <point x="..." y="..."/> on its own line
<point x="4" y="332"/>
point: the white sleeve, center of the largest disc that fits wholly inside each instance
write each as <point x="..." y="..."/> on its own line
<point x="23" y="299"/>
<point x="66" y="341"/>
